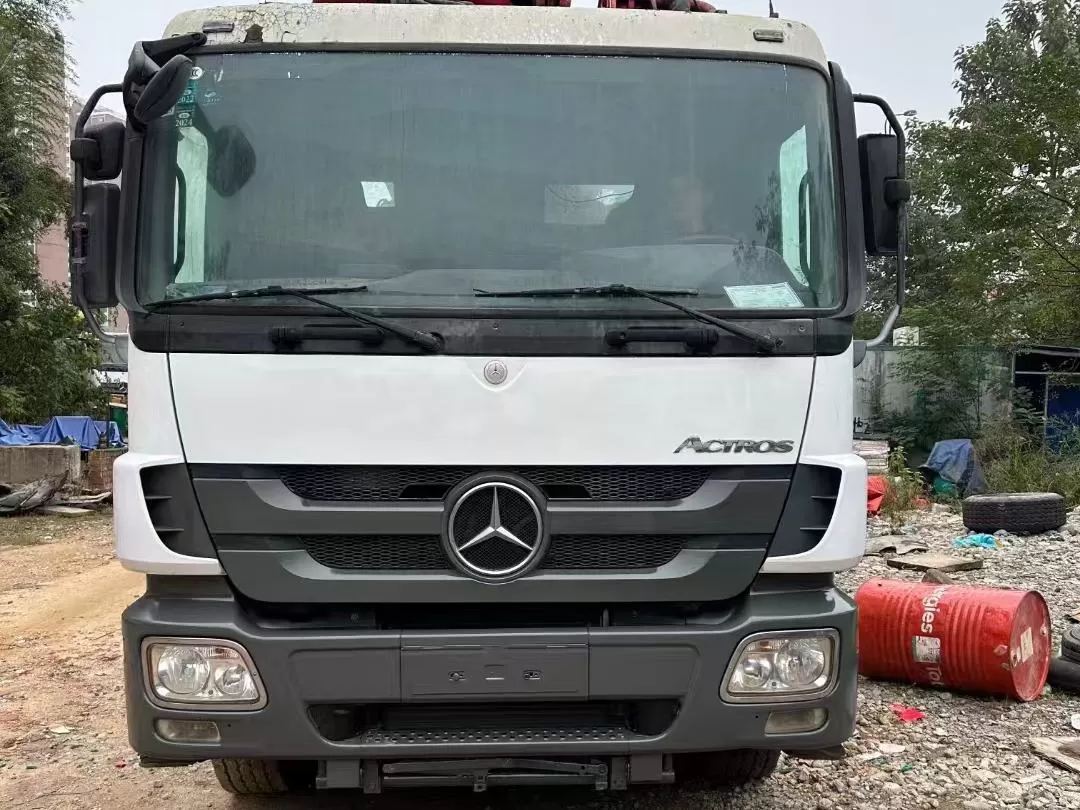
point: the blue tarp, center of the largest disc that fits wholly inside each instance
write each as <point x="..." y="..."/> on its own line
<point x="81" y="430"/>
<point x="955" y="461"/>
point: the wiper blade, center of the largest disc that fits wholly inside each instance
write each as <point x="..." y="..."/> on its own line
<point x="426" y="340"/>
<point x="605" y="291"/>
<point x="762" y="342"/>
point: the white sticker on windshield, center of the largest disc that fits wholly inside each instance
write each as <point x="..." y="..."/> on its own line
<point x="763" y="296"/>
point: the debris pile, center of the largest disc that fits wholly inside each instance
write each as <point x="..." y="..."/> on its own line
<point x="54" y="495"/>
<point x="944" y="746"/>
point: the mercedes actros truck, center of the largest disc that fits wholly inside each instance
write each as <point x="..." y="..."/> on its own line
<point x="490" y="387"/>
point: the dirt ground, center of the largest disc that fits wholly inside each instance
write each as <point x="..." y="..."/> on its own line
<point x="63" y="742"/>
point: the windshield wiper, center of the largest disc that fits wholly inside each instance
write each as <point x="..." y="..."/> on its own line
<point x="763" y="342"/>
<point x="425" y="340"/>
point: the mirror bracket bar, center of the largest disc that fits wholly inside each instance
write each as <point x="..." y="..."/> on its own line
<point x="898" y="193"/>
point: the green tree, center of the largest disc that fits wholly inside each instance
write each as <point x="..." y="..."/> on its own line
<point x="994" y="243"/>
<point x="46" y="357"/>
<point x="995" y="222"/>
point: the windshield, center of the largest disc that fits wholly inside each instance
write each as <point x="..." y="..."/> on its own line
<point x="428" y="176"/>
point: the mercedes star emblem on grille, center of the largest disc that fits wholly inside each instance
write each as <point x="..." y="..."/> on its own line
<point x="495" y="530"/>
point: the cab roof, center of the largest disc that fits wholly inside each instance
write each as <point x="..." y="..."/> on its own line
<point x="537" y="29"/>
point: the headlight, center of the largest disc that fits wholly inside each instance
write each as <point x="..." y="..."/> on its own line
<point x="217" y="674"/>
<point x="782" y="666"/>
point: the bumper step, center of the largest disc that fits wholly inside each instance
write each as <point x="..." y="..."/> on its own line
<point x="614" y="773"/>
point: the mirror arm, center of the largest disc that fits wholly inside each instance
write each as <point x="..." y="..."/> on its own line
<point x="901" y="191"/>
<point x="78" y="221"/>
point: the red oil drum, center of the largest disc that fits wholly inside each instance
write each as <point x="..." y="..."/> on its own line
<point x="970" y="639"/>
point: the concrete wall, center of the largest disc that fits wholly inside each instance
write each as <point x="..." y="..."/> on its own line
<point x="879" y="387"/>
<point x="23" y="465"/>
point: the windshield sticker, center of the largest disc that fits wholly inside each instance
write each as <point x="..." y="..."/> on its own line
<point x="763" y="296"/>
<point x="185" y="106"/>
<point x="185" y="118"/>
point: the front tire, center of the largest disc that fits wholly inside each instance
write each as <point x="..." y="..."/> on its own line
<point x="727" y="769"/>
<point x="261" y="777"/>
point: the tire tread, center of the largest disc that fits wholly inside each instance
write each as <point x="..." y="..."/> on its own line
<point x="250" y="777"/>
<point x="1034" y="512"/>
<point x="727" y="769"/>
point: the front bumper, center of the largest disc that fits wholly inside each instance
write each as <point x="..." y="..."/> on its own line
<point x="383" y="672"/>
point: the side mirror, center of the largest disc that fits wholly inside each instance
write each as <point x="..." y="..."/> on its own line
<point x="231" y="161"/>
<point x="164" y="90"/>
<point x="93" y="269"/>
<point x="100" y="151"/>
<point x="883" y="191"/>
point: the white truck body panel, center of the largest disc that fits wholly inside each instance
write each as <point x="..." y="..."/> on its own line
<point x="545" y="30"/>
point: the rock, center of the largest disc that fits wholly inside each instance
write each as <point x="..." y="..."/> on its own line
<point x="977" y="804"/>
<point x="938" y="577"/>
<point x="941" y="562"/>
<point x="1009" y="792"/>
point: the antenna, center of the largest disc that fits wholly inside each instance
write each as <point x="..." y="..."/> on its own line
<point x="772" y="11"/>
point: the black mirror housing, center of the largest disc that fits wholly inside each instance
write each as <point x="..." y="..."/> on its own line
<point x="164" y="89"/>
<point x="94" y="280"/>
<point x="100" y="151"/>
<point x="878" y="165"/>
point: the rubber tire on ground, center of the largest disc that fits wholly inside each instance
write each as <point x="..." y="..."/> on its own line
<point x="1032" y="512"/>
<point x="726" y="769"/>
<point x="1064" y="674"/>
<point x="1070" y="644"/>
<point x="251" y="777"/>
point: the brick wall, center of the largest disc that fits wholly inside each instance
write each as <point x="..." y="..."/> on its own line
<point x="98" y="470"/>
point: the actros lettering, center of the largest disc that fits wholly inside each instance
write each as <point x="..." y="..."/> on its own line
<point x="696" y="444"/>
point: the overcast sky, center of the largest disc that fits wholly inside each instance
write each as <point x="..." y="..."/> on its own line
<point x="902" y="51"/>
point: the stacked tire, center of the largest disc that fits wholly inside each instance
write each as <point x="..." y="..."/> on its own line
<point x="1065" y="670"/>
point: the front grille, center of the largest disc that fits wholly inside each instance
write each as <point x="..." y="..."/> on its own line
<point x="424" y="552"/>
<point x="340" y="483"/>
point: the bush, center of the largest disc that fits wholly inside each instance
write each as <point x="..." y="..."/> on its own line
<point x="904" y="486"/>
<point x="949" y="387"/>
<point x="1015" y="458"/>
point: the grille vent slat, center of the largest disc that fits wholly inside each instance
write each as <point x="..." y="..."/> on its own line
<point x="424" y="552"/>
<point x="346" y="483"/>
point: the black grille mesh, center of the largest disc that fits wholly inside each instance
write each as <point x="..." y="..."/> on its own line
<point x="424" y="552"/>
<point x="341" y="483"/>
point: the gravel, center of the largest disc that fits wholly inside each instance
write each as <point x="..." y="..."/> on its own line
<point x="970" y="752"/>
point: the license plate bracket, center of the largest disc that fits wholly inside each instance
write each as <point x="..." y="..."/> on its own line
<point x="482" y="667"/>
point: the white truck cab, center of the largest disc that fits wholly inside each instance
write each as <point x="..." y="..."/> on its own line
<point x="490" y="390"/>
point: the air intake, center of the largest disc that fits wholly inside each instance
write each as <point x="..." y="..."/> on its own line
<point x="808" y="511"/>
